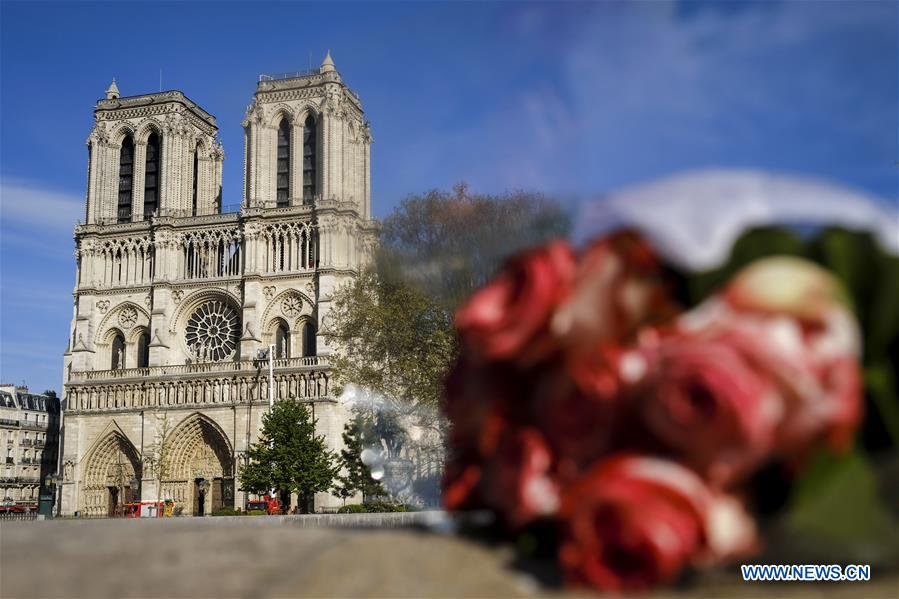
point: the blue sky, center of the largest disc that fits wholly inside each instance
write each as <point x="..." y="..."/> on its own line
<point x="575" y="99"/>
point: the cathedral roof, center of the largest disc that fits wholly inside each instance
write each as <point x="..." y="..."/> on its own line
<point x="154" y="99"/>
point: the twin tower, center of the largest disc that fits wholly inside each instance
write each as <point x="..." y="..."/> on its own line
<point x="177" y="290"/>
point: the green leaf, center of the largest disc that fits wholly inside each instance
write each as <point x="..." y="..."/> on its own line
<point x="836" y="510"/>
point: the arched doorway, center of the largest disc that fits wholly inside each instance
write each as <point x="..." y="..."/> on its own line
<point x="200" y="474"/>
<point x="111" y="476"/>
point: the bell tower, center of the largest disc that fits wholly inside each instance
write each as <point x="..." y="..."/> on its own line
<point x="151" y="155"/>
<point x="306" y="140"/>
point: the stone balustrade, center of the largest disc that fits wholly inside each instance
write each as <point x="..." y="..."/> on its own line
<point x="205" y="383"/>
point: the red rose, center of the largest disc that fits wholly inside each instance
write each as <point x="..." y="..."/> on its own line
<point x="632" y="522"/>
<point x="478" y="400"/>
<point x="619" y="287"/>
<point x="517" y="481"/>
<point x="706" y="396"/>
<point x="496" y="462"/>
<point x="576" y="404"/>
<point x="507" y="319"/>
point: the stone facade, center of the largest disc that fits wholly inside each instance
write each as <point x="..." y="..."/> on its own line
<point x="176" y="294"/>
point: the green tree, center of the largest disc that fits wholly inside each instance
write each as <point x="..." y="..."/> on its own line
<point x="393" y="340"/>
<point x="393" y="325"/>
<point x="289" y="457"/>
<point x="356" y="475"/>
<point x="450" y="243"/>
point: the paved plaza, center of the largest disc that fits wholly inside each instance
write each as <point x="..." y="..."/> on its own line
<point x="293" y="557"/>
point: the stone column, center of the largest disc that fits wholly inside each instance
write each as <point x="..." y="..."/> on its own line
<point x="110" y="181"/>
<point x="296" y="162"/>
<point x="90" y="213"/>
<point x="138" y="181"/>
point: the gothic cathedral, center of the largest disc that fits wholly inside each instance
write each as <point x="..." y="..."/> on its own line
<point x="176" y="293"/>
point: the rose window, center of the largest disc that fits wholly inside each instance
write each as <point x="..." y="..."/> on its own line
<point x="213" y="331"/>
<point x="292" y="305"/>
<point x="128" y="317"/>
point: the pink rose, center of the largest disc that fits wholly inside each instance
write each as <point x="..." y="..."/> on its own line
<point x="619" y="287"/>
<point x="632" y="522"/>
<point x="507" y="319"/>
<point x="706" y="396"/>
<point x="785" y="285"/>
<point x="812" y="347"/>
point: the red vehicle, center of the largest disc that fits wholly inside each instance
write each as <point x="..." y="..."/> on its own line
<point x="269" y="505"/>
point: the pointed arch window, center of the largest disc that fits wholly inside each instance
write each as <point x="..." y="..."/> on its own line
<point x="283" y="163"/>
<point x="309" y="348"/>
<point x="126" y="180"/>
<point x="152" y="174"/>
<point x="118" y="353"/>
<point x="309" y="157"/>
<point x="143" y="350"/>
<point x="282" y="341"/>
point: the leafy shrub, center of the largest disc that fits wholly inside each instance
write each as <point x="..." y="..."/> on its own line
<point x="355" y="508"/>
<point x="372" y="508"/>
<point x="226" y="511"/>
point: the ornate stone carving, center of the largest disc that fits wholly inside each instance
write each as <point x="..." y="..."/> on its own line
<point x="128" y="317"/>
<point x="268" y="292"/>
<point x="103" y="306"/>
<point x="177" y="296"/>
<point x="292" y="305"/>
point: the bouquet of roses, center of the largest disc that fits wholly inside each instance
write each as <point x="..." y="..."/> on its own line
<point x="584" y="396"/>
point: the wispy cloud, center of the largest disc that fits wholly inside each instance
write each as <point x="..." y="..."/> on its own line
<point x="29" y="205"/>
<point x="641" y="89"/>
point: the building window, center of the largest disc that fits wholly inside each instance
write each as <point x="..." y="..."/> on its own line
<point x="196" y="170"/>
<point x="143" y="350"/>
<point x="283" y="163"/>
<point x="309" y="160"/>
<point x="152" y="174"/>
<point x="308" y="339"/>
<point x="126" y="179"/>
<point x="118" y="353"/>
<point x="282" y="341"/>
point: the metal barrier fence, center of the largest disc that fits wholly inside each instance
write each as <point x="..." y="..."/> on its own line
<point x="19" y="516"/>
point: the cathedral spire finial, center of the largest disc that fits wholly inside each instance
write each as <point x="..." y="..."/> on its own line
<point x="113" y="91"/>
<point x="327" y="64"/>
